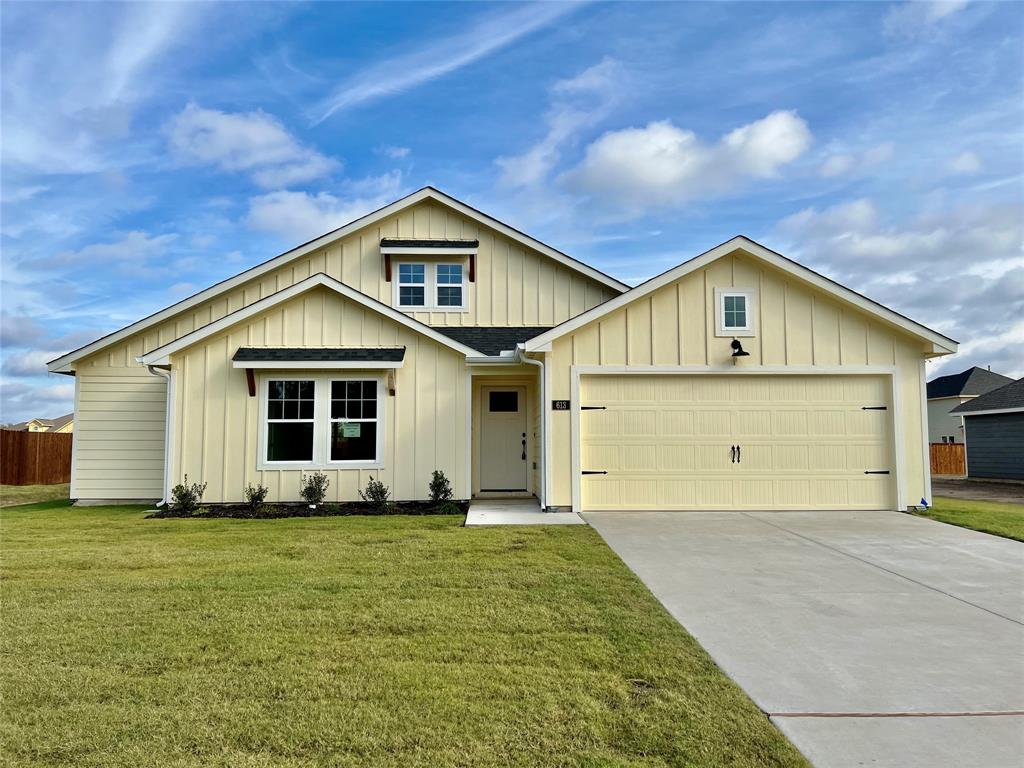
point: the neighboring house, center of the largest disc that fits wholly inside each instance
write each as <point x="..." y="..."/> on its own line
<point x="65" y="423"/>
<point x="428" y="335"/>
<point x="947" y="392"/>
<point x="994" y="427"/>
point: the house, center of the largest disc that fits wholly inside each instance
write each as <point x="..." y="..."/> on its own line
<point x="994" y="433"/>
<point x="947" y="392"/>
<point x="63" y="424"/>
<point x="428" y="335"/>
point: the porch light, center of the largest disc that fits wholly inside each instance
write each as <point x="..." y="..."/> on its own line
<point x="737" y="349"/>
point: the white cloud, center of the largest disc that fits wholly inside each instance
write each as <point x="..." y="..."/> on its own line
<point x="249" y="142"/>
<point x="32" y="363"/>
<point x="965" y="163"/>
<point x="959" y="270"/>
<point x="395" y="153"/>
<point x="919" y="16"/>
<point x="480" y="38"/>
<point x="662" y="164"/>
<point x="24" y="400"/>
<point x="577" y="103"/>
<point x="847" y="163"/>
<point x="299" y="216"/>
<point x="131" y="252"/>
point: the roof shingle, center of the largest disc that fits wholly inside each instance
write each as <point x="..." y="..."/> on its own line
<point x="491" y="340"/>
<point x="974" y="381"/>
<point x="1003" y="398"/>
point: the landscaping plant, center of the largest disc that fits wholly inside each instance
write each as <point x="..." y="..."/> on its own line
<point x="314" y="488"/>
<point x="377" y="495"/>
<point x="186" y="497"/>
<point x="441" y="494"/>
<point x="255" y="498"/>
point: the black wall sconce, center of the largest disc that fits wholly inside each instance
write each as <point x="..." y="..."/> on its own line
<point x="737" y="349"/>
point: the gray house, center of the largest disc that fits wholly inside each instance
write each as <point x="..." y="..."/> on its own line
<point x="994" y="433"/>
<point x="947" y="392"/>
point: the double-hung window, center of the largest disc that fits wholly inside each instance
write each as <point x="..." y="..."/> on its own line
<point x="735" y="312"/>
<point x="328" y="421"/>
<point x="431" y="286"/>
<point x="412" y="285"/>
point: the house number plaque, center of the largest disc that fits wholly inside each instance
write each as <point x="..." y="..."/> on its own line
<point x="559" y="405"/>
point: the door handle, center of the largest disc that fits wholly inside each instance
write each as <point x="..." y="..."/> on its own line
<point x="524" y="446"/>
<point x="738" y="455"/>
<point x="732" y="454"/>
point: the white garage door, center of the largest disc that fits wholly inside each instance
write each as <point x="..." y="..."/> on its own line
<point x="736" y="442"/>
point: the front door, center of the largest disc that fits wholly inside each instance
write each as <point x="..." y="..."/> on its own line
<point x="503" y="439"/>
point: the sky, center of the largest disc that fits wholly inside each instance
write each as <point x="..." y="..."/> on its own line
<point x="149" y="150"/>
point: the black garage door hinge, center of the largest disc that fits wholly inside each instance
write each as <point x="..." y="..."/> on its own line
<point x="876" y="471"/>
<point x="874" y="408"/>
<point x="595" y="472"/>
<point x="593" y="407"/>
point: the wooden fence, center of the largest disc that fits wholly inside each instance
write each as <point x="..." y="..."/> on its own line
<point x="948" y="459"/>
<point x="35" y="458"/>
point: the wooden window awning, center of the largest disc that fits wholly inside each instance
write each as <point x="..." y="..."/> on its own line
<point x="397" y="246"/>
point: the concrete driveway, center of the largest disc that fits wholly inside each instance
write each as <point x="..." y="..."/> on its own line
<point x="869" y="638"/>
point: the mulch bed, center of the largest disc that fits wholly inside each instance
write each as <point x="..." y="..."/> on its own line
<point x="301" y="509"/>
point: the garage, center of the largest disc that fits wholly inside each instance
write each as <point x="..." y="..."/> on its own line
<point x="735" y="441"/>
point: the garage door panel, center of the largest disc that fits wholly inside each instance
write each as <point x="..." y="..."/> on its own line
<point x="666" y="442"/>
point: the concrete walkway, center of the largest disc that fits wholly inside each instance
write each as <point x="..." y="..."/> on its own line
<point x="516" y="512"/>
<point x="872" y="638"/>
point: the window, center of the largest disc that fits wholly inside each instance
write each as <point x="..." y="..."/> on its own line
<point x="503" y="402"/>
<point x="431" y="286"/>
<point x="353" y="420"/>
<point x="290" y="423"/>
<point x="449" y="285"/>
<point x="322" y="421"/>
<point x="735" y="312"/>
<point x="412" y="285"/>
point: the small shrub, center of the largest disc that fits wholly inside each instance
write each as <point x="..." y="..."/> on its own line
<point x="377" y="495"/>
<point x="255" y="498"/>
<point x="314" y="488"/>
<point x="440" y="488"/>
<point x="185" y="497"/>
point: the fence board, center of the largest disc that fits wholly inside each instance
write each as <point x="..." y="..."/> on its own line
<point x="948" y="459"/>
<point x="35" y="458"/>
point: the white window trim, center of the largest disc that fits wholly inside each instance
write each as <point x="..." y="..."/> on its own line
<point x="430" y="286"/>
<point x="751" y="310"/>
<point x="322" y="421"/>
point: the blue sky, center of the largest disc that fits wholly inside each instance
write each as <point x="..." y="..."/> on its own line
<point x="151" y="149"/>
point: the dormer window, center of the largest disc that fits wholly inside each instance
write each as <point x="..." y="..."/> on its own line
<point x="435" y="286"/>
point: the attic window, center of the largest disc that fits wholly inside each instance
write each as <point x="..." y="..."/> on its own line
<point x="428" y="285"/>
<point x="735" y="312"/>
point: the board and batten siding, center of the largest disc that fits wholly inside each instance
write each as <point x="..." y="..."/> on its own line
<point x="995" y="445"/>
<point x="119" y="433"/>
<point x="515" y="286"/>
<point x="216" y="422"/>
<point x="797" y="325"/>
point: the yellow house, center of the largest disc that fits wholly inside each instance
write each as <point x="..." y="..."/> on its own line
<point x="428" y="335"/>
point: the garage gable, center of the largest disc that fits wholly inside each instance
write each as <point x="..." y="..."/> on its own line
<point x="788" y="305"/>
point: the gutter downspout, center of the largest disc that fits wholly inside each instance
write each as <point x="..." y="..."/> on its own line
<point x="166" y="375"/>
<point x="521" y="357"/>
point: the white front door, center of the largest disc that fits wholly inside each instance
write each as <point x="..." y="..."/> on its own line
<point x="503" y="439"/>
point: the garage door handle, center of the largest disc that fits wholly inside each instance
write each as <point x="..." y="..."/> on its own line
<point x="594" y="472"/>
<point x="876" y="471"/>
<point x="738" y="454"/>
<point x="732" y="454"/>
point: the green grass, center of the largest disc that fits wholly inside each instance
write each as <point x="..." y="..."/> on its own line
<point x="398" y="641"/>
<point x="986" y="516"/>
<point x="29" y="494"/>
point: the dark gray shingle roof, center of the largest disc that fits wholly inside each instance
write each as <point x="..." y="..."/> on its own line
<point x="1010" y="396"/>
<point x="400" y="242"/>
<point x="318" y="355"/>
<point x="973" y="381"/>
<point x="490" y="340"/>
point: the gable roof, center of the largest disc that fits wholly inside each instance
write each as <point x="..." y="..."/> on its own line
<point x="161" y="355"/>
<point x="973" y="381"/>
<point x="62" y="364"/>
<point x="490" y="340"/>
<point x="943" y="344"/>
<point x="319" y="355"/>
<point x="1008" y="398"/>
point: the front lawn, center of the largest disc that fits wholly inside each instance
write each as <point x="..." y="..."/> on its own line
<point x="986" y="516"/>
<point x="392" y="641"/>
<point x="11" y="495"/>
